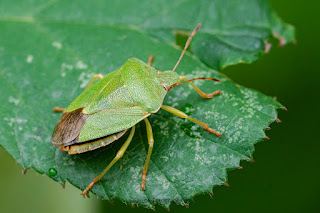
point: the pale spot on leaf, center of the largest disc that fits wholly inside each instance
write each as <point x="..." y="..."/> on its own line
<point x="57" y="45"/>
<point x="29" y="59"/>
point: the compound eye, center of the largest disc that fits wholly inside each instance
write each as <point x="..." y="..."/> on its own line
<point x="167" y="87"/>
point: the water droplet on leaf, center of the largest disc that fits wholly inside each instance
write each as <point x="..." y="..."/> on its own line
<point x="52" y="172"/>
<point x="191" y="129"/>
<point x="188" y="109"/>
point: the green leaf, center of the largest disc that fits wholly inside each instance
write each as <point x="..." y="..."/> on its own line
<point x="49" y="50"/>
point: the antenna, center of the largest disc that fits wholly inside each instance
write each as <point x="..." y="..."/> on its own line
<point x="187" y="81"/>
<point x="186" y="46"/>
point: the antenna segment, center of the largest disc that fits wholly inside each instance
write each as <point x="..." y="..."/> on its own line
<point x="186" y="46"/>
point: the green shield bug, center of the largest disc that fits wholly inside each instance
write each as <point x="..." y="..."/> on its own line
<point x="105" y="110"/>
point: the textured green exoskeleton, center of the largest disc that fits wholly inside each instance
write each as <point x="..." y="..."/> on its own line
<point x="117" y="102"/>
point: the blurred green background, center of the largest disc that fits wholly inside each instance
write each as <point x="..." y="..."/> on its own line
<point x="284" y="176"/>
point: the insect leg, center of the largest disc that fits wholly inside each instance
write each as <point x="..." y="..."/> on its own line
<point x="150" y="60"/>
<point x="150" y="142"/>
<point x="58" y="109"/>
<point x="183" y="115"/>
<point x="98" y="76"/>
<point x="202" y="94"/>
<point x="118" y="156"/>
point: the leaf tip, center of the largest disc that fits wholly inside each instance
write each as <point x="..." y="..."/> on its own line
<point x="282" y="40"/>
<point x="267" y="47"/>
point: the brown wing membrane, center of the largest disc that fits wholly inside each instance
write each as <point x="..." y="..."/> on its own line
<point x="68" y="129"/>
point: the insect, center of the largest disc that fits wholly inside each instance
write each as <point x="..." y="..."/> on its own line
<point x="108" y="108"/>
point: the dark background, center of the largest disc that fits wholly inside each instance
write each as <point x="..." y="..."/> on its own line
<point x="285" y="175"/>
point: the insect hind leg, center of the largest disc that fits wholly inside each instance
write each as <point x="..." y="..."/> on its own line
<point x="150" y="142"/>
<point x="97" y="76"/>
<point x="58" y="109"/>
<point x="150" y="59"/>
<point x="117" y="157"/>
<point x="183" y="115"/>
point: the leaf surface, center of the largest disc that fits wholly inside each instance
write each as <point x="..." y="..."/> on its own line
<point x="49" y="50"/>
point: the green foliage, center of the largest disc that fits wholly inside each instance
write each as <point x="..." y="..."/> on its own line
<point x="50" y="50"/>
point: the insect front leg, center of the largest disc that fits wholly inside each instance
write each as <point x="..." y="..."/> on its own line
<point x="202" y="94"/>
<point x="183" y="115"/>
<point x="98" y="76"/>
<point x="150" y="142"/>
<point x="118" y="156"/>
